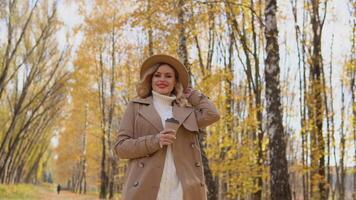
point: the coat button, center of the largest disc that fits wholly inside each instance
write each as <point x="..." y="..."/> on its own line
<point x="197" y="164"/>
<point x="201" y="184"/>
<point x="141" y="164"/>
<point x="135" y="184"/>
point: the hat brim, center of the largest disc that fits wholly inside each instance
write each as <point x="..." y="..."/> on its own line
<point x="176" y="64"/>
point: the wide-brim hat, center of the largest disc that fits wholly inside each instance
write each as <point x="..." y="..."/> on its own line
<point x="176" y="64"/>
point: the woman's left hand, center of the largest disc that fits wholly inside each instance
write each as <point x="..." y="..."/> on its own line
<point x="187" y="92"/>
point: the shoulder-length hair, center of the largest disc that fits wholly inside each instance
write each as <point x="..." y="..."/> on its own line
<point x="144" y="86"/>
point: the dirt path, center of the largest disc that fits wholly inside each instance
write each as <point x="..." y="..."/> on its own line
<point x="64" y="195"/>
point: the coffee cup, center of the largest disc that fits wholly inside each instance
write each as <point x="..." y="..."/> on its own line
<point x="171" y="123"/>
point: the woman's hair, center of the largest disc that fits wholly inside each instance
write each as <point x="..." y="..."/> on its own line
<point x="144" y="86"/>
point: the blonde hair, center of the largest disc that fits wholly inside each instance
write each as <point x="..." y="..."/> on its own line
<point x="144" y="86"/>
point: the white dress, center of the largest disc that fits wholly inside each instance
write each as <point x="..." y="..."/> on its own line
<point x="170" y="187"/>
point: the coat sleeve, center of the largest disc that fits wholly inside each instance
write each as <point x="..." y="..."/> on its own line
<point x="205" y="110"/>
<point x="128" y="147"/>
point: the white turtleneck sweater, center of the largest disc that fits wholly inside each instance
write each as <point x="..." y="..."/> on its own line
<point x="170" y="186"/>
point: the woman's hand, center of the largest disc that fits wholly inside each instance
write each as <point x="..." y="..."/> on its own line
<point x="187" y="92"/>
<point x="166" y="137"/>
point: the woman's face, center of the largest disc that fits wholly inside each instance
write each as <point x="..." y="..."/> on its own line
<point x="164" y="80"/>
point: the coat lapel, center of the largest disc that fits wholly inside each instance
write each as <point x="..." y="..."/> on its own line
<point x="181" y="113"/>
<point x="149" y="112"/>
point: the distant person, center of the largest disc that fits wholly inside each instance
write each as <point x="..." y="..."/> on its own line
<point x="159" y="134"/>
<point x="58" y="188"/>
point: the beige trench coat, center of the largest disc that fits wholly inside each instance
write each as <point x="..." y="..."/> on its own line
<point x="137" y="142"/>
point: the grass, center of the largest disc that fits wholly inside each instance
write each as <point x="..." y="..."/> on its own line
<point x="25" y="191"/>
<point x="41" y="192"/>
<point x="19" y="192"/>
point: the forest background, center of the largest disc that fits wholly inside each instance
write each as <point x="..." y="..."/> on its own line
<point x="69" y="68"/>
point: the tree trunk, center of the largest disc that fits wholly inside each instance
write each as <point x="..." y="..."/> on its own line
<point x="211" y="184"/>
<point x="103" y="175"/>
<point x="316" y="109"/>
<point x="352" y="75"/>
<point x="332" y="122"/>
<point x="209" y="179"/>
<point x="84" y="153"/>
<point x="183" y="57"/>
<point x="279" y="167"/>
<point x="302" y="91"/>
<point x="342" y="145"/>
<point x="182" y="44"/>
<point x="102" y="101"/>
<point x="149" y="31"/>
<point x="258" y="104"/>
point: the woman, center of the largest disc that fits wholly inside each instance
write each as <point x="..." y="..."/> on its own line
<point x="164" y="163"/>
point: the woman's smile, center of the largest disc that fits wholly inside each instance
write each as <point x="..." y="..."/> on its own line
<point x="162" y="85"/>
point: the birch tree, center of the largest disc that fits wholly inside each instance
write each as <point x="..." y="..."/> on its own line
<point x="279" y="167"/>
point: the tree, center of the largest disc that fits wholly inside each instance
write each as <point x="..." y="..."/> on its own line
<point x="277" y="145"/>
<point x="315" y="105"/>
<point x="32" y="88"/>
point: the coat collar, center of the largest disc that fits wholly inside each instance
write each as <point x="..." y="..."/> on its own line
<point x="150" y="114"/>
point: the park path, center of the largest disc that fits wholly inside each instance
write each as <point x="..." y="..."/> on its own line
<point x="64" y="195"/>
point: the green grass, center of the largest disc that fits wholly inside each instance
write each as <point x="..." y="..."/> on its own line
<point x="19" y="192"/>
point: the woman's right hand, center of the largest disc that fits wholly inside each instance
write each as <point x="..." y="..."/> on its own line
<point x="166" y="137"/>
